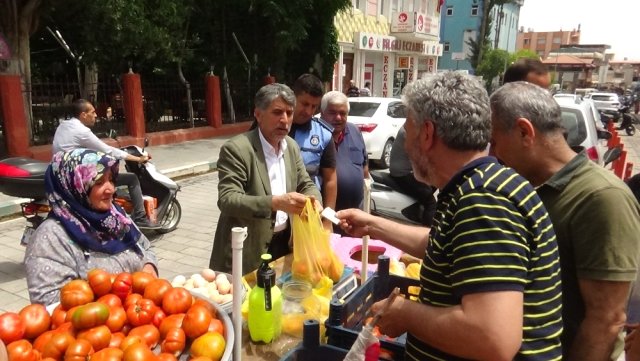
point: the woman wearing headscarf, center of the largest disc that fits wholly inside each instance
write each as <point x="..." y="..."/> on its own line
<point x="84" y="229"/>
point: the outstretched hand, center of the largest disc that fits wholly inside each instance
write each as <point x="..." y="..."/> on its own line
<point x="292" y="202"/>
<point x="355" y="221"/>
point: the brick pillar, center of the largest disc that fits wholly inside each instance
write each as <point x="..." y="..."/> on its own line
<point x="15" y="121"/>
<point x="133" y="109"/>
<point x="213" y="101"/>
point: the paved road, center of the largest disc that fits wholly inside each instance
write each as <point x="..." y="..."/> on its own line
<point x="183" y="251"/>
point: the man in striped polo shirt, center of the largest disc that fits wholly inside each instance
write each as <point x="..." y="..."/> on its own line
<point x="490" y="277"/>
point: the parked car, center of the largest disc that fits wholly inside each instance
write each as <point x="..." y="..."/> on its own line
<point x="379" y="120"/>
<point x="574" y="97"/>
<point x="582" y="127"/>
<point x="606" y="102"/>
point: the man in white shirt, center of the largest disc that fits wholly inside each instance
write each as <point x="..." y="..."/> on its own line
<point x="75" y="133"/>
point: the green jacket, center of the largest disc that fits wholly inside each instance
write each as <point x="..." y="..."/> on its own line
<point x="244" y="197"/>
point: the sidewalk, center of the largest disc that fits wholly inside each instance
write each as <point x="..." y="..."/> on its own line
<point x="173" y="160"/>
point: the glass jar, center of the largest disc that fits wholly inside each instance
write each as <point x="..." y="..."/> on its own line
<point x="298" y="304"/>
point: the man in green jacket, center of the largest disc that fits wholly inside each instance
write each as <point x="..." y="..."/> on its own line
<point x="262" y="181"/>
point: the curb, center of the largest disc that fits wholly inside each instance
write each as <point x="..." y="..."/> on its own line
<point x="12" y="206"/>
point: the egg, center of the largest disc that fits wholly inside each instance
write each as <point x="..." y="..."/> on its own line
<point x="208" y="274"/>
<point x="178" y="281"/>
<point x="188" y="284"/>
<point x="196" y="276"/>
<point x="212" y="286"/>
<point x="224" y="286"/>
<point x="200" y="283"/>
<point x="221" y="276"/>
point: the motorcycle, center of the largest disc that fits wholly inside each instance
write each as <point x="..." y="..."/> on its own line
<point x="24" y="178"/>
<point x="628" y="122"/>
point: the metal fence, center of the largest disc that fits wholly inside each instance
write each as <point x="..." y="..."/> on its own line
<point x="51" y="102"/>
<point x="166" y="105"/>
<point x="237" y="102"/>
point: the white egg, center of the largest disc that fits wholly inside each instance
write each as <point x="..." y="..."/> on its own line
<point x="212" y="286"/>
<point x="226" y="298"/>
<point x="196" y="276"/>
<point x="179" y="280"/>
<point x="200" y="282"/>
<point x="208" y="274"/>
<point x="221" y="276"/>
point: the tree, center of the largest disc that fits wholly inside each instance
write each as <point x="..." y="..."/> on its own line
<point x="482" y="44"/>
<point x="523" y="54"/>
<point x="493" y="64"/>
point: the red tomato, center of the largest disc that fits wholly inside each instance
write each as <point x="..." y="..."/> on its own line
<point x="138" y="352"/>
<point x="100" y="281"/>
<point x="141" y="313"/>
<point x="110" y="300"/>
<point x="156" y="289"/>
<point x="36" y="320"/>
<point x="75" y="293"/>
<point x="206" y="304"/>
<point x="174" y="342"/>
<point x="116" y="339"/>
<point x="42" y="340"/>
<point x="211" y="344"/>
<point x="141" y="280"/>
<point x="176" y="300"/>
<point x="69" y="316"/>
<point x="58" y="316"/>
<point x="108" y="354"/>
<point x="130" y="340"/>
<point x="158" y="317"/>
<point x="131" y="300"/>
<point x="170" y="322"/>
<point x="167" y="357"/>
<point x="117" y="319"/>
<point x="90" y="315"/>
<point x="196" y="322"/>
<point x="148" y="333"/>
<point x="78" y="350"/>
<point x="66" y="327"/>
<point x="22" y="350"/>
<point x="57" y="346"/>
<point x="122" y="285"/>
<point x="99" y="337"/>
<point x="216" y="326"/>
<point x="12" y="327"/>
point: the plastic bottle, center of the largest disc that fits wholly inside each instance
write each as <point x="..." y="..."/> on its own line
<point x="265" y="305"/>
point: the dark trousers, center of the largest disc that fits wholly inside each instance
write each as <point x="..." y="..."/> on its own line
<point x="135" y="193"/>
<point x="422" y="193"/>
<point x="279" y="245"/>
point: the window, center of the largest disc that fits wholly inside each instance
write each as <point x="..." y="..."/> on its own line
<point x="396" y="110"/>
<point x="445" y="46"/>
<point x="542" y="40"/>
<point x="474" y="10"/>
<point x="557" y="40"/>
<point x="449" y="10"/>
<point x="527" y="41"/>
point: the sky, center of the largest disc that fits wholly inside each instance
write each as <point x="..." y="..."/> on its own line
<point x="612" y="22"/>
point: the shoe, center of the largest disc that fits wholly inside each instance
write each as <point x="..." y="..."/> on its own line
<point x="145" y="223"/>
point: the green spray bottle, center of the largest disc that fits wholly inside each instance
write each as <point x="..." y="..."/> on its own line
<point x="265" y="305"/>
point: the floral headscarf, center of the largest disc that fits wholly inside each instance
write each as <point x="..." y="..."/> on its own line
<point x="68" y="182"/>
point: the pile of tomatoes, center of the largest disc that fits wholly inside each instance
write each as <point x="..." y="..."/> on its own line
<point x="130" y="317"/>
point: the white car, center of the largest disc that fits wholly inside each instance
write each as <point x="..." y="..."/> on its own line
<point x="582" y="128"/>
<point x="606" y="102"/>
<point x="379" y="120"/>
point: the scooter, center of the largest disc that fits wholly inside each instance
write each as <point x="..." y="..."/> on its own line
<point x="628" y="121"/>
<point x="388" y="201"/>
<point x="24" y="178"/>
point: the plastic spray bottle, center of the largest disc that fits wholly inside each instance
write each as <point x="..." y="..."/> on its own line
<point x="265" y="305"/>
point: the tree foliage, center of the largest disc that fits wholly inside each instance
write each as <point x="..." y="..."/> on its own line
<point x="493" y="64"/>
<point x="482" y="44"/>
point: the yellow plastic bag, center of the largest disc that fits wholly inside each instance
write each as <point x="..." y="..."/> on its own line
<point x="313" y="258"/>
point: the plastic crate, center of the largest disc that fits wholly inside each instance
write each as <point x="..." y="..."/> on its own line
<point x="311" y="349"/>
<point x="346" y="319"/>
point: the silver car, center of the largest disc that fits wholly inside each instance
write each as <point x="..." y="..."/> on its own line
<point x="605" y="102"/>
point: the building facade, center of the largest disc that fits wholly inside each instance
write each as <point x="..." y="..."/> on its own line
<point x="545" y="42"/>
<point x="461" y="21"/>
<point x="387" y="43"/>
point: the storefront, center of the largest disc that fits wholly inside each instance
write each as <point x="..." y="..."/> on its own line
<point x="389" y="63"/>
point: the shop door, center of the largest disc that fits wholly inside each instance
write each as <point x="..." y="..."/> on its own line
<point x="347" y="61"/>
<point x="399" y="81"/>
<point x="368" y="76"/>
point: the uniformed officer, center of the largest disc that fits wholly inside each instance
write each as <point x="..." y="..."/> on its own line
<point x="314" y="136"/>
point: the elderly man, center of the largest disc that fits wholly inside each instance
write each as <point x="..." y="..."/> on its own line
<point x="594" y="215"/>
<point x="262" y="180"/>
<point x="490" y="277"/>
<point x="351" y="154"/>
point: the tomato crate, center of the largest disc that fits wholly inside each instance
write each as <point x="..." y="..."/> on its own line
<point x="346" y="319"/>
